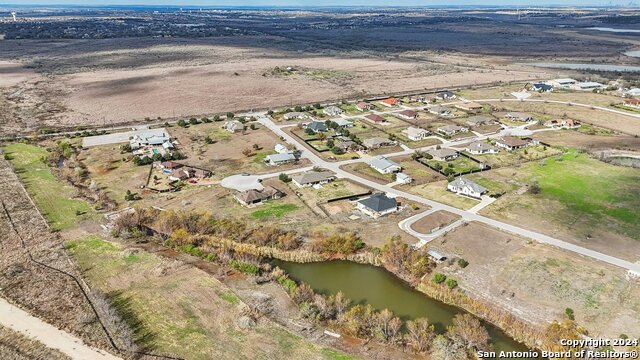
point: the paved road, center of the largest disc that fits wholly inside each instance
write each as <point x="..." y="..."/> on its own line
<point x="423" y="238"/>
<point x="18" y="320"/>
<point x="466" y="216"/>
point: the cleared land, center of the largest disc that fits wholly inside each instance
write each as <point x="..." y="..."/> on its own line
<point x="438" y="219"/>
<point x="538" y="282"/>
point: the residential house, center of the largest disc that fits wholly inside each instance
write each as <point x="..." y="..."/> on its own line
<point x="384" y="165"/>
<point x="463" y="186"/>
<point x="519" y="116"/>
<point x="170" y="165"/>
<point x="635" y="103"/>
<point x="279" y="159"/>
<point x="481" y="147"/>
<point x="445" y="95"/>
<point x="541" y="87"/>
<point x="634" y="93"/>
<point x="346" y="144"/>
<point x="252" y="197"/>
<point x="511" y="143"/>
<point x="377" y="142"/>
<point x="415" y="134"/>
<point x="439" y="110"/>
<point x="281" y="149"/>
<point x="178" y="175"/>
<point x="443" y="154"/>
<point x="311" y="178"/>
<point x="375" y="118"/>
<point x="343" y="123"/>
<point x="587" y="86"/>
<point x="479" y="120"/>
<point x="332" y="110"/>
<point x="364" y="106"/>
<point x="148" y="138"/>
<point x="564" y="83"/>
<point x="436" y="255"/>
<point x="295" y="115"/>
<point x="390" y="102"/>
<point x="377" y="205"/>
<point x="233" y="126"/>
<point x="402" y="178"/>
<point x="167" y="145"/>
<point x="469" y="106"/>
<point x="451" y="129"/>
<point x="421" y="99"/>
<point x="317" y="126"/>
<point x="407" y="114"/>
<point x="184" y="173"/>
<point x="562" y="123"/>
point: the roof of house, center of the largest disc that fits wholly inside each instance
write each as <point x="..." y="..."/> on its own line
<point x="374" y="117"/>
<point x="462" y="182"/>
<point x="317" y="126"/>
<point x="390" y="101"/>
<point x="439" y="109"/>
<point x="179" y="174"/>
<point x="446" y="93"/>
<point x="234" y="125"/>
<point x="343" y="122"/>
<point x="479" y="146"/>
<point x="542" y="86"/>
<point x="589" y="84"/>
<point x="280" y="157"/>
<point x="479" y="119"/>
<point x="436" y="255"/>
<point x="632" y="101"/>
<point x="408" y="113"/>
<point x="402" y="176"/>
<point x="379" y="202"/>
<point x="633" y="92"/>
<point x="382" y="163"/>
<point x="363" y="105"/>
<point x="311" y="177"/>
<point x="512" y="141"/>
<point x="375" y="141"/>
<point x="249" y="196"/>
<point x="442" y="153"/>
<point x="294" y="114"/>
<point x="170" y="165"/>
<point x="414" y="131"/>
<point x="332" y="109"/>
<point x="469" y="105"/>
<point x="345" y="144"/>
<point x="450" y="128"/>
<point x="565" y="81"/>
<point x="518" y="115"/>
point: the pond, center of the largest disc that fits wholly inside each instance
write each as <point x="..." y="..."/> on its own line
<point x="608" y="29"/>
<point x="367" y="284"/>
<point x="596" y="67"/>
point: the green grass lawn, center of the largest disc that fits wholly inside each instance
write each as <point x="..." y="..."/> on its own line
<point x="459" y="165"/>
<point x="51" y="195"/>
<point x="588" y="187"/>
<point x="276" y="210"/>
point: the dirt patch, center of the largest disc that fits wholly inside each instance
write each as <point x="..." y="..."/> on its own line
<point x="438" y="219"/>
<point x="15" y="346"/>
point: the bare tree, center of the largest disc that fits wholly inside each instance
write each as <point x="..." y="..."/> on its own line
<point x="420" y="334"/>
<point x="469" y="332"/>
<point x="445" y="349"/>
<point x="341" y="304"/>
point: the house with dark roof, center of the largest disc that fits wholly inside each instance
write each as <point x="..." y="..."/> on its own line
<point x="375" y="118"/>
<point x="407" y="114"/>
<point x="377" y="205"/>
<point x="511" y="143"/>
<point x="463" y="186"/>
<point x="253" y="197"/>
<point x="445" y="95"/>
<point x="311" y="178"/>
<point x="541" y="87"/>
<point x="317" y="126"/>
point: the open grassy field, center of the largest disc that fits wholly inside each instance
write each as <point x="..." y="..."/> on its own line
<point x="508" y="158"/>
<point x="581" y="199"/>
<point x="182" y="311"/>
<point x="273" y="209"/>
<point x="438" y="191"/>
<point x="51" y="195"/>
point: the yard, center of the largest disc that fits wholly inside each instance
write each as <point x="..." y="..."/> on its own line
<point x="273" y="209"/>
<point x="460" y="165"/>
<point x="366" y="171"/>
<point x="509" y="158"/>
<point x="180" y="310"/>
<point x="438" y="191"/>
<point x="53" y="197"/>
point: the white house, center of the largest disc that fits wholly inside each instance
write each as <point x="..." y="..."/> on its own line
<point x="295" y="115"/>
<point x="443" y="154"/>
<point x="343" y="123"/>
<point x="279" y="159"/>
<point x="407" y="114"/>
<point x="311" y="178"/>
<point x="147" y="138"/>
<point x="462" y="186"/>
<point x="439" y="110"/>
<point x="415" y="134"/>
<point x="402" y="178"/>
<point x="481" y="147"/>
<point x="281" y="149"/>
<point x="233" y="126"/>
<point x="563" y="83"/>
<point x="451" y="129"/>
<point x="587" y="86"/>
<point x="332" y="110"/>
<point x="377" y="205"/>
<point x="384" y="165"/>
<point x="635" y="92"/>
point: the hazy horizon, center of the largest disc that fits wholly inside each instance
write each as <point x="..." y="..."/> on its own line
<point x="321" y="3"/>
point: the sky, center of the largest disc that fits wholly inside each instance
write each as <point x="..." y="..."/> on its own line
<point x="322" y="2"/>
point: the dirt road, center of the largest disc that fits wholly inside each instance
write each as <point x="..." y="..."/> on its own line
<point x="20" y="321"/>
